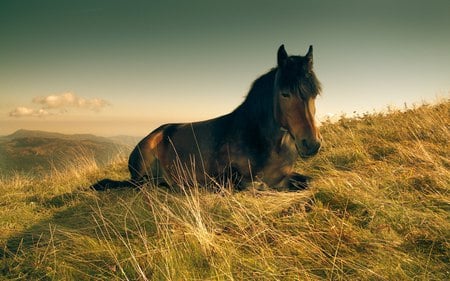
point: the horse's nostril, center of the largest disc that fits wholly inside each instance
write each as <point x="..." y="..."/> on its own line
<point x="305" y="143"/>
<point x="312" y="147"/>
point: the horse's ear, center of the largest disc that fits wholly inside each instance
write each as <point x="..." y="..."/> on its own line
<point x="309" y="57"/>
<point x="309" y="54"/>
<point x="282" y="56"/>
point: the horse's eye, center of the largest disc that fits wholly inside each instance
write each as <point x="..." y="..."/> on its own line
<point x="285" y="95"/>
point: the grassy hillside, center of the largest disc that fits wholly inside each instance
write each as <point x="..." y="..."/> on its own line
<point x="37" y="152"/>
<point x="378" y="209"/>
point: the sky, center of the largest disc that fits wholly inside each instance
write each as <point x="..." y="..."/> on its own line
<point x="112" y="67"/>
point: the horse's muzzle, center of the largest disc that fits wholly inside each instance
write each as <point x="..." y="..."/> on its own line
<point x="307" y="148"/>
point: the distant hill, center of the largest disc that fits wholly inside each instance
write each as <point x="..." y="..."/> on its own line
<point x="42" y="134"/>
<point x="120" y="139"/>
<point x="125" y="140"/>
<point x="37" y="151"/>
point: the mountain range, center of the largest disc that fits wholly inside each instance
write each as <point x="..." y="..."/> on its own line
<point x="34" y="152"/>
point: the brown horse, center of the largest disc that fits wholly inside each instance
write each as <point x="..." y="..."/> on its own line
<point x="260" y="139"/>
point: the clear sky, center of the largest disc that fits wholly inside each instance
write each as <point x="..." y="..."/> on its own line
<point x="123" y="67"/>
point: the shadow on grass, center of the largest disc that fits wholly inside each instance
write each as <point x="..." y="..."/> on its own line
<point x="43" y="248"/>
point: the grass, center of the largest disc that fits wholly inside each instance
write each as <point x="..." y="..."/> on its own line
<point x="378" y="209"/>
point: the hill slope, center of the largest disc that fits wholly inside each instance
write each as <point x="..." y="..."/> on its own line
<point x="378" y="209"/>
<point x="36" y="152"/>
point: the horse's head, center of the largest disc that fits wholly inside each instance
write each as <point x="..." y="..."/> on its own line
<point x="296" y="88"/>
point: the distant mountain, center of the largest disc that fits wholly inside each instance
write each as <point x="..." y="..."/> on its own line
<point x="120" y="139"/>
<point x="37" y="151"/>
<point x="51" y="135"/>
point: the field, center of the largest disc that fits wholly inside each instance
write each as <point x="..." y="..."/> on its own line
<point x="378" y="209"/>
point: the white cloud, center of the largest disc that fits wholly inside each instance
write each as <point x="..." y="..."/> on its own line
<point x="22" y="111"/>
<point x="59" y="104"/>
<point x="68" y="99"/>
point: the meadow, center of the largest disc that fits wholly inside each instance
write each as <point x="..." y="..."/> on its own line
<point x="378" y="208"/>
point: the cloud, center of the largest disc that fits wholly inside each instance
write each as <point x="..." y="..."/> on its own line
<point x="59" y="104"/>
<point x="65" y="100"/>
<point x="22" y="111"/>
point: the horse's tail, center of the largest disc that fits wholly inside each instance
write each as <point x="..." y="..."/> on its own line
<point x="105" y="184"/>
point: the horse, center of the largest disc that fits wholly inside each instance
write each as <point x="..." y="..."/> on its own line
<point x="260" y="139"/>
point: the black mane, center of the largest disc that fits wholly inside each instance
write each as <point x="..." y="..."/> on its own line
<point x="254" y="119"/>
<point x="258" y="105"/>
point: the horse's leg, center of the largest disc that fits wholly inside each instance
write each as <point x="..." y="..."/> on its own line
<point x="295" y="181"/>
<point x="232" y="178"/>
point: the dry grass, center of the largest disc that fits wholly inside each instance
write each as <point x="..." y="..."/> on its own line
<point x="378" y="209"/>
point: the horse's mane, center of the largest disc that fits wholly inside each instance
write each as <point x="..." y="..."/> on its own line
<point x="258" y="105"/>
<point x="254" y="119"/>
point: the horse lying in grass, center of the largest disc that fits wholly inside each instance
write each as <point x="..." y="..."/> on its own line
<point x="260" y="139"/>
